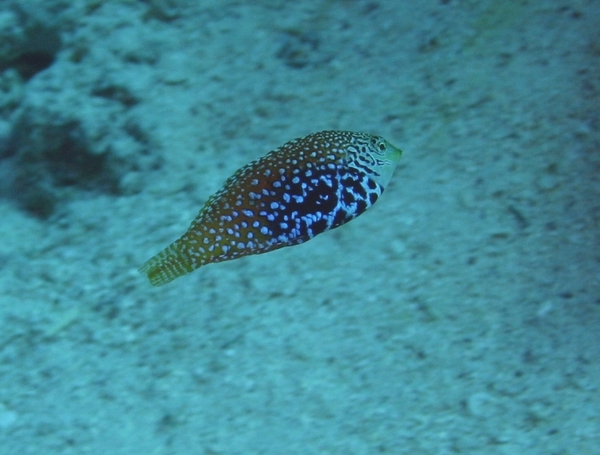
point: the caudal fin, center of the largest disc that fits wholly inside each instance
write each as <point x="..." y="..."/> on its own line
<point x="166" y="266"/>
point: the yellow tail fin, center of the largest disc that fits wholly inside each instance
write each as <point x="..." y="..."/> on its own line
<point x="166" y="265"/>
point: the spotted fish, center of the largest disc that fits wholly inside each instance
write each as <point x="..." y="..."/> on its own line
<point x="305" y="187"/>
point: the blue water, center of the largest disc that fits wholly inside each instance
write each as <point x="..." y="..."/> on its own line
<point x="460" y="314"/>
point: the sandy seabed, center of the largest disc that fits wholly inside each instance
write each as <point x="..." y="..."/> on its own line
<point x="459" y="315"/>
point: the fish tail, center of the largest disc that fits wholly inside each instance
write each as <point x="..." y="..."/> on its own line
<point x="166" y="265"/>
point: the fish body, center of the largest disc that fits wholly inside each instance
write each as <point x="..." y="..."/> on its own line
<point x="305" y="187"/>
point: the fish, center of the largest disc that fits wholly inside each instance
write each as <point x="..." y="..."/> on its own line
<point x="307" y="186"/>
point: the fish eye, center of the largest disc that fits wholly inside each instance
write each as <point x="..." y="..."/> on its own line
<point x="378" y="144"/>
